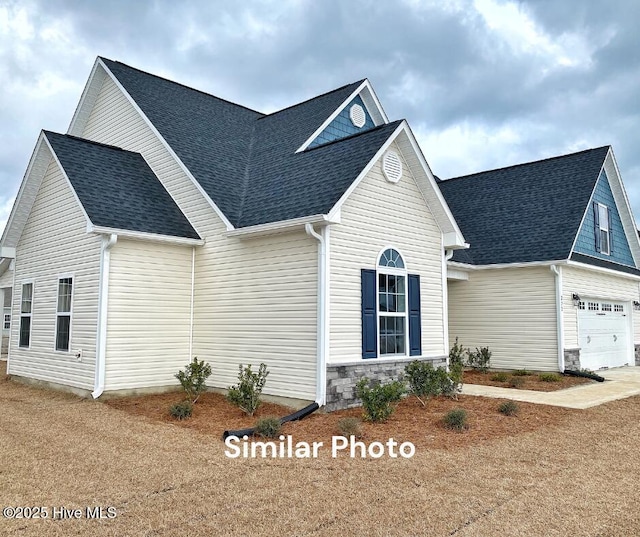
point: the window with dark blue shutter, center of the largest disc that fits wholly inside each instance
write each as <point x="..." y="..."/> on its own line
<point x="610" y="233"/>
<point x="596" y="225"/>
<point x="369" y="314"/>
<point x="415" y="323"/>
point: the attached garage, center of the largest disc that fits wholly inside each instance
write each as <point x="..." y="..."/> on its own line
<point x="604" y="334"/>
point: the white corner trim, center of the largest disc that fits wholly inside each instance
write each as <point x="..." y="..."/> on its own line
<point x="336" y="112"/>
<point x="166" y="145"/>
<point x="280" y="226"/>
<point x="557" y="271"/>
<point x="446" y="255"/>
<point x="192" y="300"/>
<point x="143" y="236"/>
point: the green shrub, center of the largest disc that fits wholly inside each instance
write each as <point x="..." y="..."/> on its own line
<point x="426" y="381"/>
<point x="509" y="408"/>
<point x="378" y="400"/>
<point x="456" y="419"/>
<point x="516" y="382"/>
<point x="181" y="410"/>
<point x="268" y="427"/>
<point x="454" y="387"/>
<point x="246" y="394"/>
<point x="193" y="378"/>
<point x="549" y="377"/>
<point x="350" y="427"/>
<point x="521" y="373"/>
<point x="458" y="355"/>
<point x="500" y="377"/>
<point x="480" y="359"/>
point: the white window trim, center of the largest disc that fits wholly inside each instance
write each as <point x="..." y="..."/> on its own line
<point x="30" y="315"/>
<point x="604" y="226"/>
<point x="396" y="272"/>
<point x="59" y="314"/>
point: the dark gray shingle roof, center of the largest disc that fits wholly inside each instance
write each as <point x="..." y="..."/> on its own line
<point x="118" y="189"/>
<point x="523" y="213"/>
<point x="246" y="161"/>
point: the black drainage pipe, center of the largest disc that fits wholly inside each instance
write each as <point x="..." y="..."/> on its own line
<point x="591" y="376"/>
<point x="298" y="415"/>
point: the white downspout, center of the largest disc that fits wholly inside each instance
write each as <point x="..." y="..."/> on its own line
<point x="447" y="254"/>
<point x="323" y="311"/>
<point x="193" y="283"/>
<point x="103" y="307"/>
<point x="559" y="321"/>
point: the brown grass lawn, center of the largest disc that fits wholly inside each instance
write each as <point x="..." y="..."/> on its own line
<point x="547" y="472"/>
<point x="531" y="381"/>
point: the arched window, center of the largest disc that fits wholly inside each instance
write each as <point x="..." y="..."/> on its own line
<point x="392" y="304"/>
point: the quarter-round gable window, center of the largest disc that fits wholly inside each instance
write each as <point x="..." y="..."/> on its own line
<point x="357" y="116"/>
<point x="391" y="258"/>
<point x="392" y="166"/>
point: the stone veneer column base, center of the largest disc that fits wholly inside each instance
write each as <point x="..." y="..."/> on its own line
<point x="342" y="378"/>
<point x="572" y="359"/>
<point x="636" y="349"/>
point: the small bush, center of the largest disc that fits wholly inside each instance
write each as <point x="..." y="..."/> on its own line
<point x="458" y="355"/>
<point x="350" y="427"/>
<point x="268" y="427"/>
<point x="181" y="410"/>
<point x="246" y="394"/>
<point x="516" y="382"/>
<point x="378" y="400"/>
<point x="456" y="419"/>
<point x="193" y="378"/>
<point x="480" y="359"/>
<point x="521" y="373"/>
<point x="500" y="377"/>
<point x="509" y="408"/>
<point x="426" y="381"/>
<point x="549" y="377"/>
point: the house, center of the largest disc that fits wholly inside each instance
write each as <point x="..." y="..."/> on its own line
<point x="168" y="223"/>
<point x="551" y="280"/>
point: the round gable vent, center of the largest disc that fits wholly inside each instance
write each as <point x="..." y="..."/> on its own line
<point x="392" y="166"/>
<point x="357" y="115"/>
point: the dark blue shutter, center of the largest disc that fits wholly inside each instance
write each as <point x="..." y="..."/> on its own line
<point x="596" y="225"/>
<point x="415" y="323"/>
<point x="369" y="314"/>
<point x="610" y="232"/>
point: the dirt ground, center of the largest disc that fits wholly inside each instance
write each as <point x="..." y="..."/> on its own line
<point x="567" y="472"/>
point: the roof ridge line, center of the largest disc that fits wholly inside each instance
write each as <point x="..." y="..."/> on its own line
<point x="358" y="82"/>
<point x="184" y="86"/>
<point x="466" y="176"/>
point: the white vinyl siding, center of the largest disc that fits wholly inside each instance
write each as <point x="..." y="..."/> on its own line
<point x="54" y="242"/>
<point x="367" y="227"/>
<point x="149" y="314"/>
<point x="512" y="311"/>
<point x="597" y="285"/>
<point x="255" y="299"/>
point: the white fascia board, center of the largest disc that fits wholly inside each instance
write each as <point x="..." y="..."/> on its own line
<point x="365" y="84"/>
<point x="166" y="145"/>
<point x="280" y="226"/>
<point x="376" y="101"/>
<point x="87" y="99"/>
<point x="7" y="252"/>
<point x="603" y="270"/>
<point x="142" y="236"/>
<point x="464" y="266"/>
<point x="40" y="152"/>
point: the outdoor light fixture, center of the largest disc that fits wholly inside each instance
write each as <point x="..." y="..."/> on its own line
<point x="636" y="305"/>
<point x="576" y="299"/>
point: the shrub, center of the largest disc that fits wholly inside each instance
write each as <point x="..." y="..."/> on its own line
<point x="193" y="378"/>
<point x="268" y="427"/>
<point x="181" y="410"/>
<point x="521" y="373"/>
<point x="458" y="355"/>
<point x="500" y="377"/>
<point x="509" y="408"/>
<point x="456" y="372"/>
<point x="378" y="400"/>
<point x="426" y="381"/>
<point x="456" y="419"/>
<point x="246" y="394"/>
<point x="549" y="377"/>
<point x="516" y="382"/>
<point x="350" y="427"/>
<point x="480" y="359"/>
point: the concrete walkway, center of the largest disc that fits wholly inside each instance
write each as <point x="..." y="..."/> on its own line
<point x="620" y="383"/>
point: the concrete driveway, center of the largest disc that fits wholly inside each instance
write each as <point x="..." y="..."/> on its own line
<point x="620" y="383"/>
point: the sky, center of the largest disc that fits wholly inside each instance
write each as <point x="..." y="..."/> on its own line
<point x="483" y="83"/>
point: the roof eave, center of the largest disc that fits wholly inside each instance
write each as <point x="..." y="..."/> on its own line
<point x="143" y="236"/>
<point x="282" y="226"/>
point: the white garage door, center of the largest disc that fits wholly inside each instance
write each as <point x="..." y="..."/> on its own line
<point x="603" y="334"/>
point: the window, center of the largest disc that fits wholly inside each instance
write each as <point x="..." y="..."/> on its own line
<point x="606" y="307"/>
<point x="581" y="305"/>
<point x="618" y="308"/>
<point x="6" y="325"/>
<point x="602" y="220"/>
<point x="26" y="307"/>
<point x="392" y="304"/>
<point x="63" y="314"/>
<point x="593" y="306"/>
